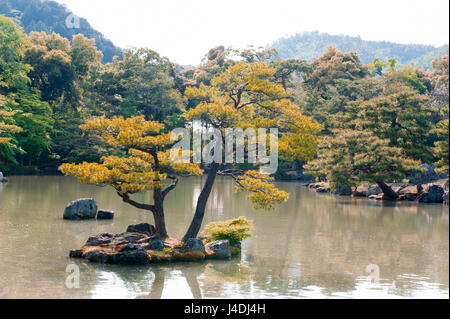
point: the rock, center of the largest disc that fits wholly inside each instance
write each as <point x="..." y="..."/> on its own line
<point x="83" y="208"/>
<point x="433" y="194"/>
<point x="324" y="185"/>
<point x="445" y="187"/>
<point x="343" y="192"/>
<point x="76" y="253"/>
<point x="425" y="177"/>
<point x="98" y="256"/>
<point x="410" y="196"/>
<point x="397" y="187"/>
<point x="155" y="244"/>
<point x="193" y="249"/>
<point x="219" y="249"/>
<point x="410" y="192"/>
<point x="131" y="255"/>
<point x="376" y="197"/>
<point x="373" y="190"/>
<point x="127" y="237"/>
<point x="105" y="214"/>
<point x="321" y="190"/>
<point x="100" y="239"/>
<point x="143" y="228"/>
<point x="445" y="198"/>
<point x="2" y="178"/>
<point x="117" y="239"/>
<point x="193" y="244"/>
<point x="361" y="191"/>
<point x="131" y="247"/>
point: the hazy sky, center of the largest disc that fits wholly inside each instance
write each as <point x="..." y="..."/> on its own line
<point x="184" y="30"/>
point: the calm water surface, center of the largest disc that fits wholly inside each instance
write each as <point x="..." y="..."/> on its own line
<point x="313" y="246"/>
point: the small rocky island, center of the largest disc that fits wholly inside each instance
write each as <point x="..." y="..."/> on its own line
<point x="140" y="246"/>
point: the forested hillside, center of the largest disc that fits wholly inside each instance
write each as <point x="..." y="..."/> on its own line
<point x="311" y="45"/>
<point x="50" y="16"/>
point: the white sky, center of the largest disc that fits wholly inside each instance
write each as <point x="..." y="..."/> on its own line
<point x="184" y="30"/>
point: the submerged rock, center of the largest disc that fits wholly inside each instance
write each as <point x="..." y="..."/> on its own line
<point x="218" y="249"/>
<point x="105" y="214"/>
<point x="83" y="208"/>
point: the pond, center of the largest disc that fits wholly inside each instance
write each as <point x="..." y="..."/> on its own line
<point x="313" y="246"/>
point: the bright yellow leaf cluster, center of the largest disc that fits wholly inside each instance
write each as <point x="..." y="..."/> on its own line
<point x="263" y="194"/>
<point x="133" y="132"/>
<point x="234" y="230"/>
<point x="147" y="164"/>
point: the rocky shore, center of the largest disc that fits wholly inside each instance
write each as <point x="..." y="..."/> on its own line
<point x="434" y="192"/>
<point x="140" y="246"/>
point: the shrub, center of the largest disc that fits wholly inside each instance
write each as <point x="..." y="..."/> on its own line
<point x="235" y="230"/>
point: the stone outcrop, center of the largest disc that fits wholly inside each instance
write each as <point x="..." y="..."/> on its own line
<point x="410" y="192"/>
<point x="373" y="190"/>
<point x="219" y="249"/>
<point x="436" y="192"/>
<point x="140" y="246"/>
<point x="143" y="228"/>
<point x="433" y="193"/>
<point x="83" y="208"/>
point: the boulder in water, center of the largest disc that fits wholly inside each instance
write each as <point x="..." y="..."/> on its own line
<point x="105" y="214"/>
<point x="433" y="194"/>
<point x="83" y="208"/>
<point x="218" y="249"/>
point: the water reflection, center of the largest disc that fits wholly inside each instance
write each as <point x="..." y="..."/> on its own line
<point x="315" y="245"/>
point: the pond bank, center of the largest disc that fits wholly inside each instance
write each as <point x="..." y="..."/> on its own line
<point x="434" y="192"/>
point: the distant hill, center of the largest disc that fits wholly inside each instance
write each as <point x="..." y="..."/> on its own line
<point x="50" y="16"/>
<point x="309" y="45"/>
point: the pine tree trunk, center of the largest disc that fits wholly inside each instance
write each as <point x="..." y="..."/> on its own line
<point x="158" y="214"/>
<point x="387" y="191"/>
<point x="197" y="220"/>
